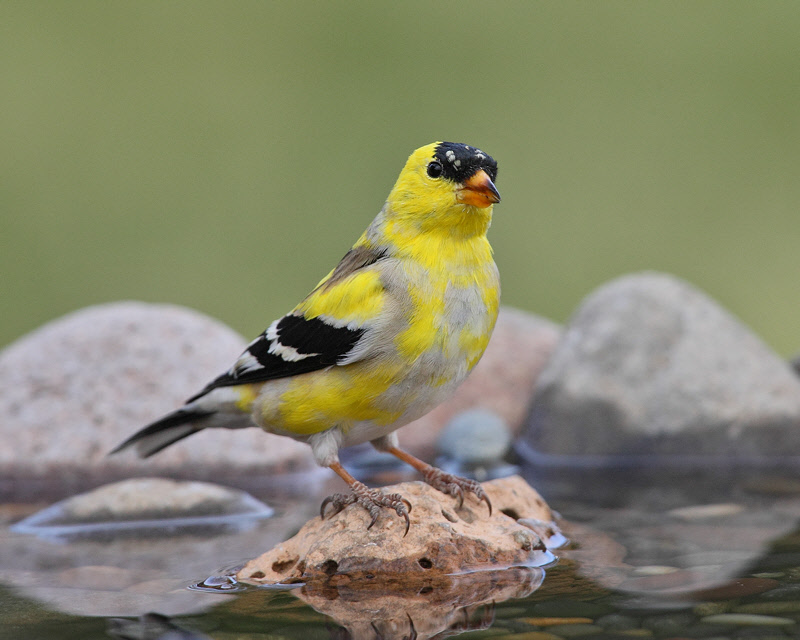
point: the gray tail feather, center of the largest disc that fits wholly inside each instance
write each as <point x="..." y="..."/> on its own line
<point x="164" y="432"/>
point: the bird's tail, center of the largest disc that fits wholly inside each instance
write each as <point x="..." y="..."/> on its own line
<point x="164" y="432"/>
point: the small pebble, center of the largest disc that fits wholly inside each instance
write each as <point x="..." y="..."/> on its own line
<point x="551" y="622"/>
<point x="476" y="436"/>
<point x="494" y="632"/>
<point x="654" y="570"/>
<point x="503" y="613"/>
<point x="794" y="572"/>
<point x="708" y="558"/>
<point x="706" y="511"/>
<point x="669" y="624"/>
<point x="737" y="588"/>
<point x="570" y="609"/>
<point x="711" y="608"/>
<point x="222" y="583"/>
<point x="760" y="633"/>
<point x="527" y="635"/>
<point x="768" y="608"/>
<point x="786" y="592"/>
<point x="747" y="619"/>
<point x="577" y="630"/>
<point x="707" y="631"/>
<point x="617" y="622"/>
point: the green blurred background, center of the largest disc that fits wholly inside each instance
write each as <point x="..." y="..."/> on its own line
<point x="224" y="155"/>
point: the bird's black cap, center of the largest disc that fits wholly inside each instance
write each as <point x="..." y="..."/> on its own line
<point x="460" y="161"/>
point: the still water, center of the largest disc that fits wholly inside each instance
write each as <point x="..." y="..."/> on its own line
<point x="675" y="555"/>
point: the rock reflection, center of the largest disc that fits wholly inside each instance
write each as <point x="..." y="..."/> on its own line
<point x="151" y="626"/>
<point x="419" y="609"/>
<point x="682" y="535"/>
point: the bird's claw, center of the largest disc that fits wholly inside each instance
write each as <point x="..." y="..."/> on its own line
<point x="373" y="500"/>
<point x="456" y="486"/>
<point x="339" y="502"/>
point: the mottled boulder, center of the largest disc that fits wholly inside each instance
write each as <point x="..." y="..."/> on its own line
<point x="442" y="540"/>
<point x="650" y="365"/>
<point x="73" y="389"/>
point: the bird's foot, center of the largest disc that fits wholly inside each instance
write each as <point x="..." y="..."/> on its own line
<point x="373" y="500"/>
<point x="455" y="486"/>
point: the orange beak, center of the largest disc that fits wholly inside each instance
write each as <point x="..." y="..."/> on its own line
<point x="479" y="191"/>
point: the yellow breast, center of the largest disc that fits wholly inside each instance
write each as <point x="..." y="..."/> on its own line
<point x="439" y="311"/>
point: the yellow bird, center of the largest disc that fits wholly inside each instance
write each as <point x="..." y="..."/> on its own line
<point x="385" y="337"/>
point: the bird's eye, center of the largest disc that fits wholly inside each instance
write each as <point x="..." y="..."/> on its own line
<point x="434" y="169"/>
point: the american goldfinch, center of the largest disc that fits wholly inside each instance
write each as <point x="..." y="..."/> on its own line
<point x="383" y="338"/>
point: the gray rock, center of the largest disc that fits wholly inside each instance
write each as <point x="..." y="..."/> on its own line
<point x="475" y="437"/>
<point x="747" y="619"/>
<point x="73" y="389"/>
<point x="474" y="445"/>
<point x="146" y="504"/>
<point x="577" y="630"/>
<point x="617" y="622"/>
<point x="650" y="365"/>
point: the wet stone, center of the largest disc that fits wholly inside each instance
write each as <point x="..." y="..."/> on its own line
<point x="504" y="613"/>
<point x="789" y="561"/>
<point x="145" y="504"/>
<point x="738" y="588"/>
<point x="617" y="622"/>
<point x="518" y="625"/>
<point x="706" y="511"/>
<point x="741" y="619"/>
<point x="668" y="625"/>
<point x="577" y="630"/>
<point x="477" y="436"/>
<point x="570" y="609"/>
<point x="769" y="608"/>
<point x="654" y="570"/>
<point x="762" y="633"/>
<point x="793" y="573"/>
<point x="218" y="583"/>
<point x="556" y="622"/>
<point x="707" y="630"/>
<point x="711" y="608"/>
<point x="785" y="592"/>
<point x="529" y="635"/>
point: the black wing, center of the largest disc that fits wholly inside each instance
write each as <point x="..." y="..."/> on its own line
<point x="291" y="346"/>
<point x="294" y="344"/>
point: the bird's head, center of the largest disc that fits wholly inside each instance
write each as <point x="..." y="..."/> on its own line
<point x="446" y="185"/>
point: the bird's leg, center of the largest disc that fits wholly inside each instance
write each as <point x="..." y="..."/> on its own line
<point x="371" y="499"/>
<point x="445" y="482"/>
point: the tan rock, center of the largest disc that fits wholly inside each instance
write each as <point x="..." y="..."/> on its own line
<point x="501" y="382"/>
<point x="442" y="540"/>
